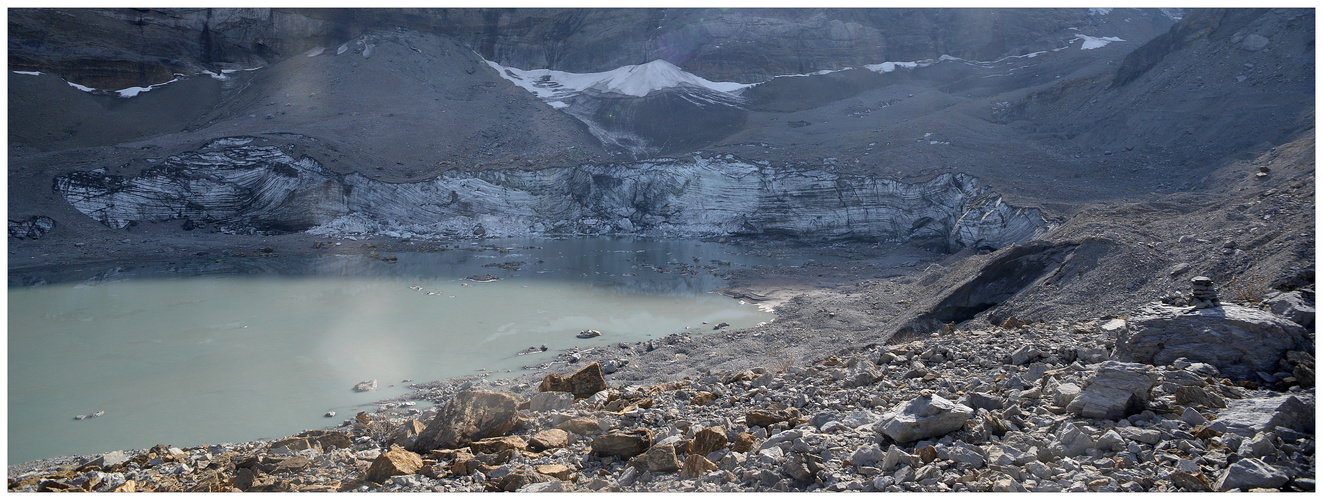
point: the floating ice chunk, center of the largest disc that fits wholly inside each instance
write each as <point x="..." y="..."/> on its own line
<point x="31" y="73"/>
<point x="1092" y="42"/>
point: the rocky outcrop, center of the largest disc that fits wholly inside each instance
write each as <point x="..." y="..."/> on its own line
<point x="240" y="185"/>
<point x="1237" y="340"/>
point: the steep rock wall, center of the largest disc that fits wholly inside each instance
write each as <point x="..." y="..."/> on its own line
<point x="245" y="187"/>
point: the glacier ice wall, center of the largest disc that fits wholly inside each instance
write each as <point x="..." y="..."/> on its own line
<point x="240" y="186"/>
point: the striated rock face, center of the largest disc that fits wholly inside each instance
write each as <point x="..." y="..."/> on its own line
<point x="1239" y="341"/>
<point x="246" y="187"/>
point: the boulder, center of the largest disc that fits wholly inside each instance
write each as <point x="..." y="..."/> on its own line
<point x="923" y="417"/>
<point x="498" y="444"/>
<point x="623" y="444"/>
<point x="1024" y="354"/>
<point x="548" y="439"/>
<point x="1293" y="306"/>
<point x="322" y="441"/>
<point x="394" y="462"/>
<point x="743" y="442"/>
<point x="777" y="413"/>
<point x="1248" y="417"/>
<point x="803" y="467"/>
<point x="582" y="384"/>
<point x="550" y="401"/>
<point x="703" y="398"/>
<point x="1115" y="391"/>
<point x="408" y="433"/>
<point x="1198" y="396"/>
<point x="1065" y="393"/>
<point x="555" y="470"/>
<point x="977" y="400"/>
<point x="583" y="426"/>
<point x="519" y="479"/>
<point x="366" y="385"/>
<point x="860" y="372"/>
<point x="709" y="440"/>
<point x="965" y="453"/>
<point x="1111" y="440"/>
<point x="695" y="466"/>
<point x="1238" y="341"/>
<point x="1250" y="473"/>
<point x="867" y="455"/>
<point x="661" y="458"/>
<point x="546" y="487"/>
<point x="470" y="416"/>
<point x="1071" y="441"/>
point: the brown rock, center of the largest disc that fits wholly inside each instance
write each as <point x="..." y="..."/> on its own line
<point x="709" y="440"/>
<point x="243" y="479"/>
<point x="548" y="439"/>
<point x="583" y="426"/>
<point x="1013" y="322"/>
<point x="322" y="441"/>
<point x="583" y="383"/>
<point x="408" y="433"/>
<point x="1190" y="482"/>
<point x="1189" y="395"/>
<point x="703" y="398"/>
<point x="765" y="418"/>
<point x="560" y="472"/>
<point x="1204" y="433"/>
<point x="927" y="453"/>
<point x="498" y="444"/>
<point x="743" y="443"/>
<point x="463" y="463"/>
<point x="468" y="417"/>
<point x="394" y="462"/>
<point x="696" y="465"/>
<point x="623" y="444"/>
<point x="520" y="478"/>
<point x="129" y="486"/>
<point x="661" y="458"/>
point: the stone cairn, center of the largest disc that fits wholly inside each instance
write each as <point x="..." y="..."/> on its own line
<point x="1204" y="295"/>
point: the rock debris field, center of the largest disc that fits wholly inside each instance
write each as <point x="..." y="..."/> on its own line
<point x="1044" y="406"/>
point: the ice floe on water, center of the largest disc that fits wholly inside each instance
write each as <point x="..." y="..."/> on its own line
<point x="1094" y="42"/>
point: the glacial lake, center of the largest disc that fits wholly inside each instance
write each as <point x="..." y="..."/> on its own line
<point x="193" y="352"/>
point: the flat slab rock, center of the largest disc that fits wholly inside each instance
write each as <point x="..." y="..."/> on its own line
<point x="1239" y="341"/>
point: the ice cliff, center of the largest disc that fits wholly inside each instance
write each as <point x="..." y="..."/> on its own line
<point x="239" y="186"/>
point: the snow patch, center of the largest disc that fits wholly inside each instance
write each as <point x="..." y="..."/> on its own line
<point x="316" y="52"/>
<point x="30" y="73"/>
<point x="134" y="91"/>
<point x="558" y="104"/>
<point x="634" y="80"/>
<point x="81" y="87"/>
<point x="1093" y="42"/>
<point x="343" y="48"/>
<point x="890" y="66"/>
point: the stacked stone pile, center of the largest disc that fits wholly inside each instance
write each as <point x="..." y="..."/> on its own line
<point x="1203" y="294"/>
<point x="1032" y="408"/>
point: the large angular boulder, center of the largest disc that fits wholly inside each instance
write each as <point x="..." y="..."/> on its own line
<point x="547" y="439"/>
<point x="776" y="413"/>
<point x="1250" y="473"/>
<point x="468" y="417"/>
<point x="1239" y="341"/>
<point x="395" y="462"/>
<point x="661" y="458"/>
<point x="1248" y="417"/>
<point x="923" y="417"/>
<point x="582" y="384"/>
<point x="623" y="444"/>
<point x="1294" y="306"/>
<point x="709" y="440"/>
<point x="1116" y="390"/>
